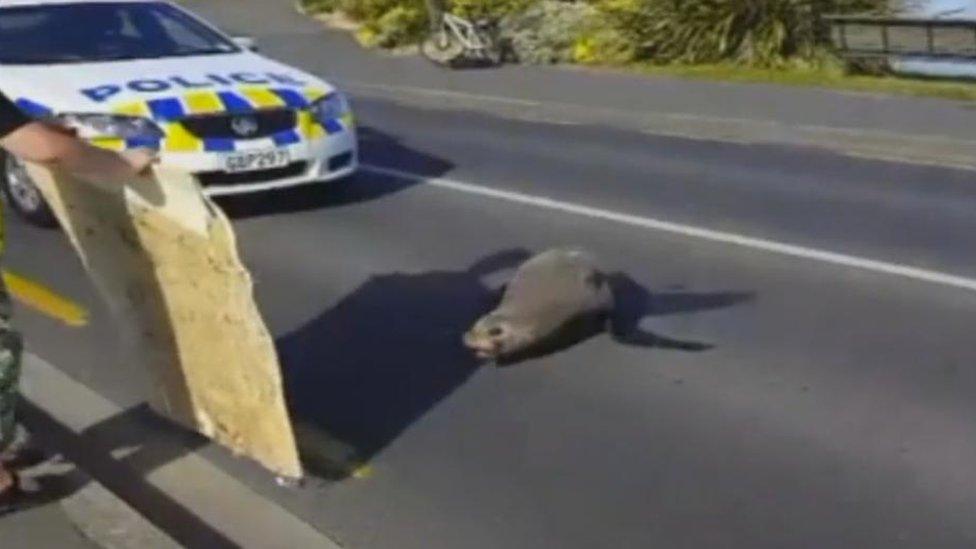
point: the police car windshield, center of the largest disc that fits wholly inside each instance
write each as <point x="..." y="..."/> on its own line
<point x="108" y="31"/>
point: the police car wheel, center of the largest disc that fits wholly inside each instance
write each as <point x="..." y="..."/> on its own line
<point x="23" y="195"/>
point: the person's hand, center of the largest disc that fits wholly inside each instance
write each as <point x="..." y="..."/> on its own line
<point x="140" y="160"/>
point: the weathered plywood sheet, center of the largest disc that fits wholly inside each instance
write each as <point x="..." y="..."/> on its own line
<point x="165" y="259"/>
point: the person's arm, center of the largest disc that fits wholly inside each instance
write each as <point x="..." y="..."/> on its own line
<point x="37" y="142"/>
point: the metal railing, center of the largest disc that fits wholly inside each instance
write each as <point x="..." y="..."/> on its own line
<point x="864" y="36"/>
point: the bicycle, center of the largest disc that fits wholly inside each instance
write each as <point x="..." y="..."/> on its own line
<point x="453" y="39"/>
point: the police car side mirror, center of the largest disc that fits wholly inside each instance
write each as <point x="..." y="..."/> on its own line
<point x="246" y="42"/>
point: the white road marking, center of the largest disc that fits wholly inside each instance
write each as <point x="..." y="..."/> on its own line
<point x="770" y="246"/>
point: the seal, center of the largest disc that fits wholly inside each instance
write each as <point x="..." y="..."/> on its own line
<point x="560" y="297"/>
<point x="556" y="296"/>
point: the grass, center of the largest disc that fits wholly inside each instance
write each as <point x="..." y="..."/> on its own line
<point x="832" y="78"/>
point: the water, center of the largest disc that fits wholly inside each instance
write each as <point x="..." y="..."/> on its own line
<point x="955" y="9"/>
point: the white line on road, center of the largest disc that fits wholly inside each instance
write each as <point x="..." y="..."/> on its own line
<point x="771" y="246"/>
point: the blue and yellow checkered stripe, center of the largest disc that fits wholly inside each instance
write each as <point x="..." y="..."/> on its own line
<point x="168" y="113"/>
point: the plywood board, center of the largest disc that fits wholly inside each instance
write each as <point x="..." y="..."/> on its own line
<point x="165" y="260"/>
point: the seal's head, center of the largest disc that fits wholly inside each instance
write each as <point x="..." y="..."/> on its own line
<point x="494" y="336"/>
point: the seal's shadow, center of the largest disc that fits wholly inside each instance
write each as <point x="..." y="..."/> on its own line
<point x="362" y="372"/>
<point x="634" y="303"/>
<point x="366" y="369"/>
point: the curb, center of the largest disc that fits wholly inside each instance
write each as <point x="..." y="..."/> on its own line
<point x="186" y="500"/>
<point x="111" y="523"/>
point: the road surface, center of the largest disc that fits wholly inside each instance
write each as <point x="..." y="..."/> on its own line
<point x="833" y="409"/>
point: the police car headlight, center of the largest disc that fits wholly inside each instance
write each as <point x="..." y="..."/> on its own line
<point x="331" y="107"/>
<point x="91" y="126"/>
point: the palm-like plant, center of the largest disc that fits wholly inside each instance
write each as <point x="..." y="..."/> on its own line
<point x="756" y="32"/>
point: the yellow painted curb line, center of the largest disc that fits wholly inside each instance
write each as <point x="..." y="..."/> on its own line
<point x="44" y="300"/>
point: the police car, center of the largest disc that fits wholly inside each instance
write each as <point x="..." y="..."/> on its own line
<point x="147" y="73"/>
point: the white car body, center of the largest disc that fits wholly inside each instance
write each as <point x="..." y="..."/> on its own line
<point x="196" y="101"/>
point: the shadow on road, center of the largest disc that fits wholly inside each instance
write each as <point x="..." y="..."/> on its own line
<point x="361" y="373"/>
<point x="366" y="369"/>
<point x="634" y="303"/>
<point x="143" y="443"/>
<point x="376" y="148"/>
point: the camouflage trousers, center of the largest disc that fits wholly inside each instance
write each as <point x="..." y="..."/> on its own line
<point x="11" y="352"/>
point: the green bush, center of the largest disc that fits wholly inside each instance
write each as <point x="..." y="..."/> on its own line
<point x="548" y="31"/>
<point x="756" y="32"/>
<point x="391" y="23"/>
<point x="398" y="26"/>
<point x="385" y="23"/>
<point x="488" y="8"/>
<point x="320" y="6"/>
<point x="602" y="44"/>
<point x="374" y="10"/>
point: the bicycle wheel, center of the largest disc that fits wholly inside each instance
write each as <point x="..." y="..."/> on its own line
<point x="442" y="47"/>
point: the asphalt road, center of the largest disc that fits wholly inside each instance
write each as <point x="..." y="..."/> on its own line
<point x="833" y="408"/>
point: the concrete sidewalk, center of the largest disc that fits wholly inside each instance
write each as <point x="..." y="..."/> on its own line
<point x="122" y="479"/>
<point x="45" y="525"/>
<point x="42" y="527"/>
<point x="144" y="483"/>
<point x="67" y="509"/>
<point x="928" y="131"/>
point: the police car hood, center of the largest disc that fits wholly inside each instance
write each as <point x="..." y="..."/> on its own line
<point x="102" y="87"/>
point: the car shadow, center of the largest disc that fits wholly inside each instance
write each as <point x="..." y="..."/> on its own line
<point x="365" y="370"/>
<point x="376" y="148"/>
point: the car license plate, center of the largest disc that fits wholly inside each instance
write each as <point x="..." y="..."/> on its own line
<point x="256" y="160"/>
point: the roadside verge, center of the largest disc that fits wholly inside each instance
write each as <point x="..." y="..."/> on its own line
<point x="186" y="500"/>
